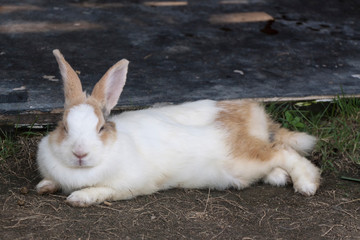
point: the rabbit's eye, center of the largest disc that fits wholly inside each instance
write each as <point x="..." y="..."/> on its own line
<point x="101" y="129"/>
<point x="64" y="127"/>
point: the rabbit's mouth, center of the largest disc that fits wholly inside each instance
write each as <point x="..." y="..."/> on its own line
<point x="81" y="163"/>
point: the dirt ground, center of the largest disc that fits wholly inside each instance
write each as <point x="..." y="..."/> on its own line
<point x="258" y="212"/>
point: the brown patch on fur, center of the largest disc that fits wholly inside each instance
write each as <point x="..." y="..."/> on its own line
<point x="281" y="133"/>
<point x="98" y="111"/>
<point x="72" y="85"/>
<point x="69" y="103"/>
<point x="108" y="133"/>
<point x="76" y="101"/>
<point x="236" y="117"/>
<point x="289" y="138"/>
<point x="72" y="88"/>
<point x="59" y="134"/>
<point x="274" y="129"/>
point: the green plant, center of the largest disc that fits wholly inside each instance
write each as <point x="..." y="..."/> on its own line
<point x="293" y="121"/>
<point x="336" y="124"/>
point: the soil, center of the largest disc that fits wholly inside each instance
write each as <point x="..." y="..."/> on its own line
<point x="259" y="212"/>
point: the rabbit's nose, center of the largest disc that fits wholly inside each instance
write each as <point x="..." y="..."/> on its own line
<point x="80" y="155"/>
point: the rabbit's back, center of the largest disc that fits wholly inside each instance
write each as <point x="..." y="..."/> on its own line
<point x="182" y="143"/>
<point x="197" y="113"/>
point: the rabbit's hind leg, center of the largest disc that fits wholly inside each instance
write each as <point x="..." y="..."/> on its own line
<point x="304" y="175"/>
<point x="277" y="177"/>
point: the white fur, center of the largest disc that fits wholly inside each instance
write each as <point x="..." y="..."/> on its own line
<point x="277" y="177"/>
<point x="304" y="175"/>
<point x="258" y="126"/>
<point x="302" y="142"/>
<point x="159" y="148"/>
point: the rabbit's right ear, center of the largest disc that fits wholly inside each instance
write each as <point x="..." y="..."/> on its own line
<point x="72" y="85"/>
<point x="107" y="91"/>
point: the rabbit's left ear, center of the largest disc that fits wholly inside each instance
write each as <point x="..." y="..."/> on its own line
<point x="72" y="85"/>
<point x="107" y="91"/>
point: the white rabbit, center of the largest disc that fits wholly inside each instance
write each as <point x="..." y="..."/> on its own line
<point x="202" y="144"/>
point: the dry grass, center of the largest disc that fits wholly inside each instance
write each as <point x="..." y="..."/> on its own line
<point x="21" y="162"/>
<point x="260" y="212"/>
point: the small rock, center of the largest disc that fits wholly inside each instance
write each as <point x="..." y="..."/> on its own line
<point x="21" y="202"/>
<point x="24" y="190"/>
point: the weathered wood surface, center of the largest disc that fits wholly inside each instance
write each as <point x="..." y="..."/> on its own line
<point x="179" y="51"/>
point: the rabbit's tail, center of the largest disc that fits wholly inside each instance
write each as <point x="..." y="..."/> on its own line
<point x="301" y="142"/>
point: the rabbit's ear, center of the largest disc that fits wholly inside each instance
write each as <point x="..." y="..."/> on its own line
<point x="107" y="91"/>
<point x="72" y="85"/>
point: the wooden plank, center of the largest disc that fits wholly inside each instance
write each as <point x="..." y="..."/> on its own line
<point x="176" y="55"/>
<point x="13" y="96"/>
<point x="240" y="17"/>
<point x="40" y="119"/>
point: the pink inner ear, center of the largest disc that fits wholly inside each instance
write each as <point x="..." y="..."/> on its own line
<point x="115" y="84"/>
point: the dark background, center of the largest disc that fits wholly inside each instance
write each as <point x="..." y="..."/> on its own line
<point x="311" y="49"/>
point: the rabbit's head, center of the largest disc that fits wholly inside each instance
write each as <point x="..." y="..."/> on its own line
<point x="82" y="136"/>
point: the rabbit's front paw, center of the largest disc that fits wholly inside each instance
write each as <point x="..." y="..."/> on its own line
<point x="80" y="198"/>
<point x="89" y="196"/>
<point x="46" y="186"/>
